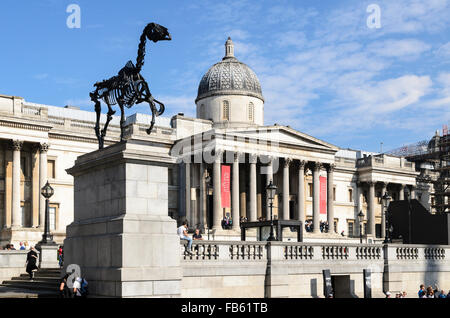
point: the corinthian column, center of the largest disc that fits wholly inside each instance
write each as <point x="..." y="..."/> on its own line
<point x="383" y="214"/>
<point x="235" y="193"/>
<point x="269" y="177"/>
<point x="330" y="202"/>
<point x="371" y="218"/>
<point x="316" y="197"/>
<point x="401" y="194"/>
<point x="287" y="162"/>
<point x="217" y="200"/>
<point x="16" y="212"/>
<point x="301" y="192"/>
<point x="253" y="159"/>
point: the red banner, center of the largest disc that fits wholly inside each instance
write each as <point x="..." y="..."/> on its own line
<point x="225" y="186"/>
<point x="323" y="195"/>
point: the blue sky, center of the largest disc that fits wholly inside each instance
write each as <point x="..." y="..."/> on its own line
<point x="323" y="71"/>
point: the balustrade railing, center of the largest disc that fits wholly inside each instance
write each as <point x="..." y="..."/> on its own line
<point x="304" y="252"/>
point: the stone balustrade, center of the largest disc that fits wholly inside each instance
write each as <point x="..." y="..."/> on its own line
<point x="291" y="251"/>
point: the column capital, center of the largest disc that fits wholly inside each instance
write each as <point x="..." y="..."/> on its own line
<point x="16" y="144"/>
<point x="237" y="156"/>
<point x="402" y="185"/>
<point x="218" y="155"/>
<point x="302" y="164"/>
<point x="287" y="162"/>
<point x="331" y="167"/>
<point x="317" y="166"/>
<point x="43" y="147"/>
<point x="371" y="183"/>
<point x="384" y="184"/>
<point x="253" y="158"/>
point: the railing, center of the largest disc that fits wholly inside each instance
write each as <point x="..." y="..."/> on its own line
<point x="304" y="252"/>
<point x="31" y="110"/>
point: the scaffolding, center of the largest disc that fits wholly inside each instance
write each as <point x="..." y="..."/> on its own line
<point x="436" y="154"/>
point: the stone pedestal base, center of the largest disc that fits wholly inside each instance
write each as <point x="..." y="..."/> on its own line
<point x="122" y="239"/>
<point x="48" y="256"/>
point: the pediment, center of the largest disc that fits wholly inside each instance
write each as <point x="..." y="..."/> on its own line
<point x="282" y="135"/>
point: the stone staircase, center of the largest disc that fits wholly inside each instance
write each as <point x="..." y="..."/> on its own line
<point x="45" y="284"/>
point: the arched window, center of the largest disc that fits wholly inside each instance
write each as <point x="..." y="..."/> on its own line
<point x="226" y="110"/>
<point x="251" y="112"/>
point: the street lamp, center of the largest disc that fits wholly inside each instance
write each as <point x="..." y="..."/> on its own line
<point x="386" y="199"/>
<point x="360" y="219"/>
<point x="271" y="191"/>
<point x="47" y="191"/>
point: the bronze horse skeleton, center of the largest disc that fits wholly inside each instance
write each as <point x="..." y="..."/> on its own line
<point x="128" y="87"/>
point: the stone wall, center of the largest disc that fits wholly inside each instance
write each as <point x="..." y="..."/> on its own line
<point x="245" y="269"/>
<point x="12" y="263"/>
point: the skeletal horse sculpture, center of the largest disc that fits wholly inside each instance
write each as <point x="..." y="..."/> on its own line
<point x="128" y="87"/>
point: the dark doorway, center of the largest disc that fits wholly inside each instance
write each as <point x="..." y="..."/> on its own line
<point x="209" y="216"/>
<point x="291" y="210"/>
<point x="341" y="286"/>
<point x="378" y="230"/>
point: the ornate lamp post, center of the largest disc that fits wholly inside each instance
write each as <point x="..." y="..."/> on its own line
<point x="47" y="191"/>
<point x="271" y="190"/>
<point x="360" y="219"/>
<point x="386" y="199"/>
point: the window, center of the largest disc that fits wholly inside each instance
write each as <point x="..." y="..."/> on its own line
<point x="51" y="169"/>
<point x="334" y="193"/>
<point x="52" y="217"/>
<point x="350" y="227"/>
<point x="310" y="186"/>
<point x="365" y="197"/>
<point x="251" y="112"/>
<point x="226" y="110"/>
<point x="53" y="210"/>
<point x="336" y="221"/>
<point x="350" y="195"/>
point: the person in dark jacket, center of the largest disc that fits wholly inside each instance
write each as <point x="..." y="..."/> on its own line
<point x="32" y="257"/>
<point x="64" y="290"/>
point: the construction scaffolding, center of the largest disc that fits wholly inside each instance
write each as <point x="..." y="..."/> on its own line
<point x="434" y="154"/>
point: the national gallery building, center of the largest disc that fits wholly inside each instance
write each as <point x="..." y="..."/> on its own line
<point x="222" y="162"/>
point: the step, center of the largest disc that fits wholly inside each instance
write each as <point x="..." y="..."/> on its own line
<point x="10" y="292"/>
<point x="46" y="275"/>
<point x="37" y="278"/>
<point x="30" y="285"/>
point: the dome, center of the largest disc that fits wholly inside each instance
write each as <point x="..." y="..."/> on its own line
<point x="229" y="77"/>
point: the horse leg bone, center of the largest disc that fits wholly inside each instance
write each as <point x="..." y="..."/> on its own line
<point x="98" y="109"/>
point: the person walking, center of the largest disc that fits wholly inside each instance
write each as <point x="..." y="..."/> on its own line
<point x="31" y="262"/>
<point x="64" y="290"/>
<point x="80" y="288"/>
<point x="60" y="256"/>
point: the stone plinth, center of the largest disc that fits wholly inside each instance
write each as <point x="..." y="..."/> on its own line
<point x="48" y="256"/>
<point x="122" y="237"/>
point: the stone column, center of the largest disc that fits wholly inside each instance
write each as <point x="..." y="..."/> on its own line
<point x="217" y="199"/>
<point x="187" y="192"/>
<point x="269" y="177"/>
<point x="316" y="197"/>
<point x="287" y="162"/>
<point x="413" y="192"/>
<point x="235" y="215"/>
<point x="330" y="201"/>
<point x="242" y="189"/>
<point x="36" y="191"/>
<point x="371" y="217"/>
<point x="203" y="195"/>
<point x="43" y="177"/>
<point x="383" y="213"/>
<point x="301" y="192"/>
<point x="359" y="192"/>
<point x="401" y="194"/>
<point x="253" y="159"/>
<point x="16" y="212"/>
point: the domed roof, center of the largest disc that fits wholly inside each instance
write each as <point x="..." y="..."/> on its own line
<point x="229" y="77"/>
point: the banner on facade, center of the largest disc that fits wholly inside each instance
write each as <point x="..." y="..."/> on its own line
<point x="225" y="187"/>
<point x="323" y="195"/>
